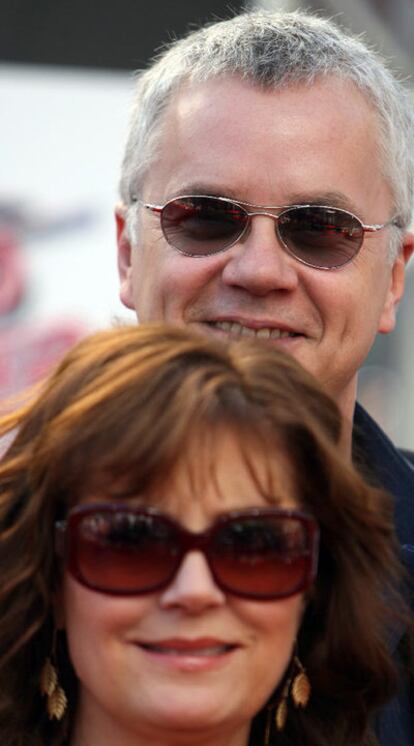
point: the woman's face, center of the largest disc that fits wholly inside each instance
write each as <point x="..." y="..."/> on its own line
<point x="159" y="663"/>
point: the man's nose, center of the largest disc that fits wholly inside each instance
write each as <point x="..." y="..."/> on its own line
<point x="193" y="588"/>
<point x="258" y="263"/>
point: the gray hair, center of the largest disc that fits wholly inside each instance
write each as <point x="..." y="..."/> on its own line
<point x="274" y="49"/>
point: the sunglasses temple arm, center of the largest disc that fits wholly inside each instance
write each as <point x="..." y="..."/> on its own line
<point x="315" y="551"/>
<point x="60" y="535"/>
<point x="396" y="221"/>
<point x="153" y="208"/>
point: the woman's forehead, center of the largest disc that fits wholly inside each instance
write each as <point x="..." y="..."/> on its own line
<point x="223" y="468"/>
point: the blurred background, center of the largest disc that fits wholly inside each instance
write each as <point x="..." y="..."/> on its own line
<point x="65" y="89"/>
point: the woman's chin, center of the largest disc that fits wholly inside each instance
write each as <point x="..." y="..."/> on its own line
<point x="184" y="715"/>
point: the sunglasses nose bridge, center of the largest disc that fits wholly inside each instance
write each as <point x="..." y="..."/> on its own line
<point x="192" y="582"/>
<point x="191" y="541"/>
<point x="275" y="215"/>
<point x="263" y="212"/>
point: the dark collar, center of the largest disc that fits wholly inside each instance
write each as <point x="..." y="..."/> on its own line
<point x="381" y="462"/>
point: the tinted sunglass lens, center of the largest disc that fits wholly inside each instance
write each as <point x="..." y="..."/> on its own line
<point x="321" y="236"/>
<point x="262" y="558"/>
<point x="122" y="552"/>
<point x="199" y="226"/>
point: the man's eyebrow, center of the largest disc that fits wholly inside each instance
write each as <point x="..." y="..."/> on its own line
<point x="207" y="190"/>
<point x="330" y="199"/>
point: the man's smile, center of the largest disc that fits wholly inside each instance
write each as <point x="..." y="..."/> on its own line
<point x="234" y="329"/>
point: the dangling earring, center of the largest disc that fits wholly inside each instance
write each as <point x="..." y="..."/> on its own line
<point x="56" y="702"/>
<point x="299" y="688"/>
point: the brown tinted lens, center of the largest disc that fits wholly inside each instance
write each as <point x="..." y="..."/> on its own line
<point x="262" y="557"/>
<point x="199" y="226"/>
<point x="322" y="237"/>
<point x="122" y="552"/>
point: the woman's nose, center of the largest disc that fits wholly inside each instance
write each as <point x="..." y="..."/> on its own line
<point x="193" y="587"/>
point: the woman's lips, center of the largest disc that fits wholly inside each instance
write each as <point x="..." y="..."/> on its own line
<point x="189" y="655"/>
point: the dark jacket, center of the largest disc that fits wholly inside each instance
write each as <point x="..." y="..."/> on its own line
<point x="380" y="461"/>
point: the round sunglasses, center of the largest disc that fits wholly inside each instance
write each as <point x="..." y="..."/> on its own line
<point x="319" y="236"/>
<point x="261" y="554"/>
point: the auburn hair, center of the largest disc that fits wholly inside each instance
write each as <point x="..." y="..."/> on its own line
<point x="123" y="407"/>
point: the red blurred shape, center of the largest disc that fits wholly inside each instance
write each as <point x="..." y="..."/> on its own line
<point x="12" y="275"/>
<point x="28" y="355"/>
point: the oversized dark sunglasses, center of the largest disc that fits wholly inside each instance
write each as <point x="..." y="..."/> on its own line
<point x="260" y="554"/>
<point x="320" y="236"/>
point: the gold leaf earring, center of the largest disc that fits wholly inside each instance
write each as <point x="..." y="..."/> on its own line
<point x="299" y="688"/>
<point x="56" y="702"/>
<point x="282" y="708"/>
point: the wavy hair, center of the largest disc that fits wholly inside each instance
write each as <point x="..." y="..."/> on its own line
<point x="126" y="404"/>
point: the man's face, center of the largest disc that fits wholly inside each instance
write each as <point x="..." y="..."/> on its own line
<point x="295" y="146"/>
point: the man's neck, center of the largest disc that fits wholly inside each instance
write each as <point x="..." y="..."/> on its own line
<point x="346" y="401"/>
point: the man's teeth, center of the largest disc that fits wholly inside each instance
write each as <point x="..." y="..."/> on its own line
<point x="209" y="651"/>
<point x="238" y="330"/>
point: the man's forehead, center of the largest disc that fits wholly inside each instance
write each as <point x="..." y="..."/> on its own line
<point x="193" y="95"/>
<point x="224" y="108"/>
<point x="214" y="133"/>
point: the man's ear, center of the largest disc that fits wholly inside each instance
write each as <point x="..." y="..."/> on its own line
<point x="396" y="286"/>
<point x="124" y="258"/>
